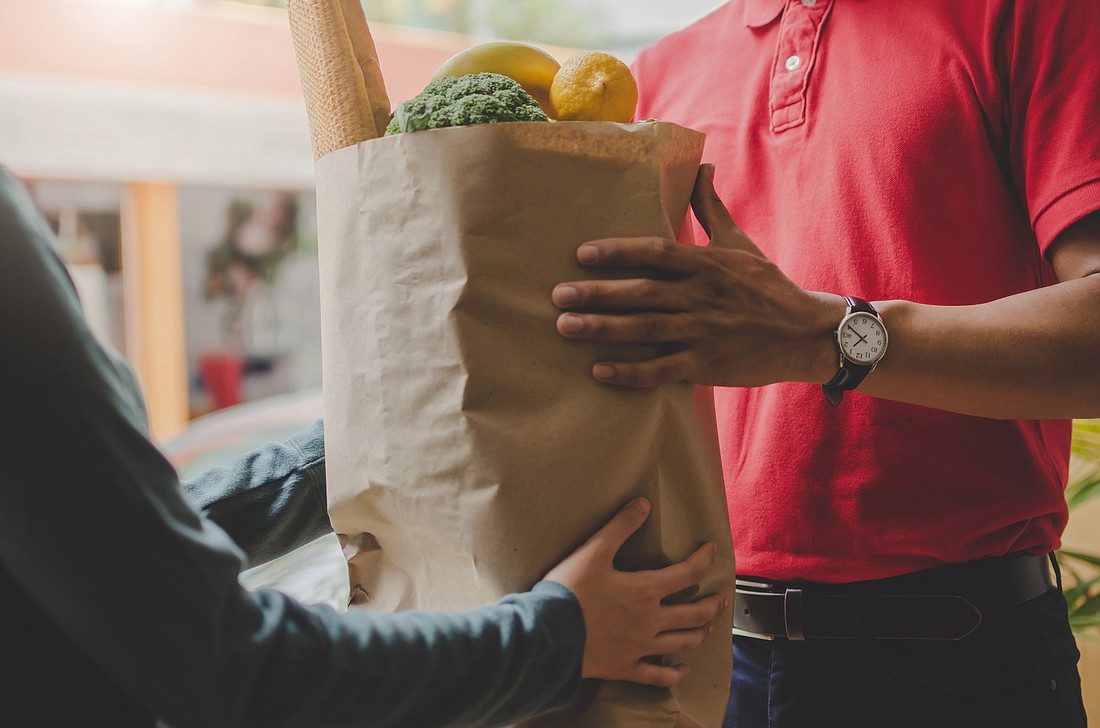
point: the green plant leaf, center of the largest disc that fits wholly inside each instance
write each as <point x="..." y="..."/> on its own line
<point x="1086" y="440"/>
<point x="1084" y="471"/>
<point x="1084" y="595"/>
<point x="1082" y="588"/>
<point x="1075" y="596"/>
<point x="1084" y="489"/>
<point x="1088" y="607"/>
<point x="1084" y="623"/>
<point x="1092" y="559"/>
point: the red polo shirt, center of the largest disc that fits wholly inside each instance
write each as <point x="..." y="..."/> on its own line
<point x="928" y="151"/>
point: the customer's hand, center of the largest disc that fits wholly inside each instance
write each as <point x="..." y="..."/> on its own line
<point x="623" y="614"/>
<point x="729" y="316"/>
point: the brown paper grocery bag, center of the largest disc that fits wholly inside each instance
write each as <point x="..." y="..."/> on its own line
<point x="468" y="447"/>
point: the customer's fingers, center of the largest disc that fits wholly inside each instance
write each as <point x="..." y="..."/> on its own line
<point x="692" y="615"/>
<point x="660" y="675"/>
<point x="610" y="538"/>
<point x="687" y="573"/>
<point x="680" y="641"/>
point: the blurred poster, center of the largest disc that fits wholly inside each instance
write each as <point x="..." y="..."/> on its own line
<point x="251" y="296"/>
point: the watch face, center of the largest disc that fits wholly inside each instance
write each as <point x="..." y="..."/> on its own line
<point x="862" y="338"/>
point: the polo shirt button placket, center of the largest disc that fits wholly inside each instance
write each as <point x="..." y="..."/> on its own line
<point x="796" y="51"/>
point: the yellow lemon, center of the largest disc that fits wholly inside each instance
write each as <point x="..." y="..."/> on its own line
<point x="594" y="86"/>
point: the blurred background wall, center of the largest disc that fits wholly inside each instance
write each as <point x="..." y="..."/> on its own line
<point x="167" y="144"/>
<point x="166" y="141"/>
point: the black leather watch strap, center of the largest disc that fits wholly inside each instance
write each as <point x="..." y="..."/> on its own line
<point x="858" y="305"/>
<point x="849" y="374"/>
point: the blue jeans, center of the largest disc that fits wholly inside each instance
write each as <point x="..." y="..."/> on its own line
<point x="1017" y="670"/>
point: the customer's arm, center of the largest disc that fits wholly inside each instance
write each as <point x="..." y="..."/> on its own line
<point x="96" y="531"/>
<point x="270" y="500"/>
<point x="95" y="528"/>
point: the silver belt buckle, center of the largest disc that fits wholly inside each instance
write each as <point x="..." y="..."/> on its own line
<point x="752" y="635"/>
<point x="745" y="585"/>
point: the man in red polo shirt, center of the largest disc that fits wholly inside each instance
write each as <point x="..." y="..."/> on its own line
<point x="940" y="160"/>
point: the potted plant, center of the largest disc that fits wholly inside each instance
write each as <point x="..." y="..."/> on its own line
<point x="1080" y="570"/>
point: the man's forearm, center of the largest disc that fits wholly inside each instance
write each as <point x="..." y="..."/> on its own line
<point x="1033" y="355"/>
<point x="729" y="317"/>
<point x="1029" y="356"/>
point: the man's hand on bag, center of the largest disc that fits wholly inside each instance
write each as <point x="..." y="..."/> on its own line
<point x="623" y="612"/>
<point x="728" y="315"/>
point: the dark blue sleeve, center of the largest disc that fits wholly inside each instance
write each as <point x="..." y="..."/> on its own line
<point x="484" y="667"/>
<point x="271" y="500"/>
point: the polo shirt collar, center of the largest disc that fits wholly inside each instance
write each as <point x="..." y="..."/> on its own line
<point x="759" y="13"/>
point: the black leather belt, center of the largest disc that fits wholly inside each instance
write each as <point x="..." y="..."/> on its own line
<point x="945" y="603"/>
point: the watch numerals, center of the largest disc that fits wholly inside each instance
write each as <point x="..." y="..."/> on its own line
<point x="862" y="339"/>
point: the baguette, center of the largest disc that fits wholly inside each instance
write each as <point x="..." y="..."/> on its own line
<point x="345" y="95"/>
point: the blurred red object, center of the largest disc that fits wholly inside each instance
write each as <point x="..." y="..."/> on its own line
<point x="221" y="377"/>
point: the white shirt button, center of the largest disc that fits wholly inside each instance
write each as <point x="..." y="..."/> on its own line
<point x="793" y="63"/>
<point x="809" y="3"/>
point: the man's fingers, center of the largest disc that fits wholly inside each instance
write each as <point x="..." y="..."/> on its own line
<point x="715" y="217"/>
<point x="662" y="676"/>
<point x="678" y="367"/>
<point x="622" y="526"/>
<point x="639" y="328"/>
<point x="707" y="205"/>
<point x="634" y="294"/>
<point x="660" y="255"/>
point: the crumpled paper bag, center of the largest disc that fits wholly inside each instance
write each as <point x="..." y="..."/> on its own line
<point x="468" y="447"/>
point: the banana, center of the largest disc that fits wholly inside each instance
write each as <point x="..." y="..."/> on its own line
<point x="528" y="65"/>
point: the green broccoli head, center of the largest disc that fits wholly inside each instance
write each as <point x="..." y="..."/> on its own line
<point x="479" y="98"/>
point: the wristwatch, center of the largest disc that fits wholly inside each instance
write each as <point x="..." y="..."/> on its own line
<point x="862" y="340"/>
